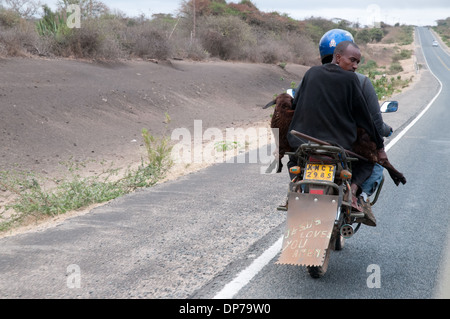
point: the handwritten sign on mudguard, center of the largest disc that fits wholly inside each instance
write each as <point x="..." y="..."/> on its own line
<point x="310" y="221"/>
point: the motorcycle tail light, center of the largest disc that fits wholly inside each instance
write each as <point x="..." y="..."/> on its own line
<point x="316" y="191"/>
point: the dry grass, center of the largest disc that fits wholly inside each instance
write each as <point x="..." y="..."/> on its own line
<point x="234" y="35"/>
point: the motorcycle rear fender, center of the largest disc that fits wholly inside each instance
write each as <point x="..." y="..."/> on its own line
<point x="309" y="227"/>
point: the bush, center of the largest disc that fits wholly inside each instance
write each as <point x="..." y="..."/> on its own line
<point x="363" y="36"/>
<point x="8" y="18"/>
<point x="225" y="37"/>
<point x="407" y="35"/>
<point x="395" y="67"/>
<point x="51" y="23"/>
<point x="370" y="67"/>
<point x="304" y="50"/>
<point x="402" y="55"/>
<point x="316" y="27"/>
<point x="273" y="52"/>
<point x="96" y="39"/>
<point x="84" y="42"/>
<point x="30" y="198"/>
<point x="18" y="40"/>
<point x="229" y="31"/>
<point x="148" y="42"/>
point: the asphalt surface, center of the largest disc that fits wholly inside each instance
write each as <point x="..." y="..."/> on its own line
<point x="408" y="250"/>
<point x="190" y="237"/>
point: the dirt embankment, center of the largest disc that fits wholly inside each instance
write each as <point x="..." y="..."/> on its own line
<point x="54" y="111"/>
<point x="59" y="110"/>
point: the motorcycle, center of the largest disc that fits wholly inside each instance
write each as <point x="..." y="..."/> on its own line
<point x="320" y="217"/>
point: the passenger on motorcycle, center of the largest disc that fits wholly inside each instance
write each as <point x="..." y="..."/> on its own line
<point x="327" y="46"/>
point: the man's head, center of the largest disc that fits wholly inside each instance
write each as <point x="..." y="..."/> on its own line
<point x="329" y="41"/>
<point x="347" y="55"/>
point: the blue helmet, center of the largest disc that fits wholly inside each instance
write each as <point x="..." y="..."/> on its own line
<point x="330" y="40"/>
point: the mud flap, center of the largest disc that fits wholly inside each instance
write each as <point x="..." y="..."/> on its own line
<point x="310" y="222"/>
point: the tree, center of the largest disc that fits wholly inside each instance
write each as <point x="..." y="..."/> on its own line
<point x="89" y="8"/>
<point x="363" y="36"/>
<point x="376" y="34"/>
<point x="25" y="8"/>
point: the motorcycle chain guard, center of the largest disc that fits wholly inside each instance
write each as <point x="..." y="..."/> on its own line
<point x="309" y="227"/>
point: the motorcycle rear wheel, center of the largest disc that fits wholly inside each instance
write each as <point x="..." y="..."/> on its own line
<point x="340" y="242"/>
<point x="319" y="271"/>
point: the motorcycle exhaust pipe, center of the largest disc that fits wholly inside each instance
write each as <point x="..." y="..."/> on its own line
<point x="347" y="231"/>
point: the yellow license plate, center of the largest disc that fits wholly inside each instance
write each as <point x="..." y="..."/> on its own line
<point x="319" y="172"/>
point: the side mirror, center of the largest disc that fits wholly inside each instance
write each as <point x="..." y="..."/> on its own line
<point x="291" y="92"/>
<point x="389" y="107"/>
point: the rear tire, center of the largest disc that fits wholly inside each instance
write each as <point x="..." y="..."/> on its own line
<point x="340" y="242"/>
<point x="319" y="271"/>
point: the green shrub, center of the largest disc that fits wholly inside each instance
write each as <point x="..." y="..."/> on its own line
<point x="51" y="23"/>
<point x="370" y="67"/>
<point x="402" y="55"/>
<point x="75" y="191"/>
<point x="395" y="67"/>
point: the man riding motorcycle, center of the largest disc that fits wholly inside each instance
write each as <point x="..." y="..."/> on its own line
<point x="326" y="48"/>
<point x="331" y="107"/>
<point x="327" y="45"/>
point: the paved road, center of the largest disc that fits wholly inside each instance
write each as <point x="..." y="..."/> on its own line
<point x="189" y="238"/>
<point x="407" y="251"/>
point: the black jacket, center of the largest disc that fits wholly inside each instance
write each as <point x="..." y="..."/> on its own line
<point x="372" y="103"/>
<point x="330" y="107"/>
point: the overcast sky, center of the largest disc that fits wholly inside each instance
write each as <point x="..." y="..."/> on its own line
<point x="416" y="12"/>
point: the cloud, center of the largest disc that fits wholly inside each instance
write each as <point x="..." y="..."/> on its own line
<point x="417" y="12"/>
<point x="391" y="12"/>
<point x="323" y="4"/>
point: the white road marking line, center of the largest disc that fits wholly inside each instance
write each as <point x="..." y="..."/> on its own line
<point x="244" y="277"/>
<point x="406" y="129"/>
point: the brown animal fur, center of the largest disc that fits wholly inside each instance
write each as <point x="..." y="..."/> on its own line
<point x="365" y="147"/>
<point x="281" y="119"/>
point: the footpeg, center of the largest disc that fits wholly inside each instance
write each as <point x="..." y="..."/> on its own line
<point x="357" y="215"/>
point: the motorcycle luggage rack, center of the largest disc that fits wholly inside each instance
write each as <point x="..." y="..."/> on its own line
<point x="325" y="149"/>
<point x="328" y="148"/>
